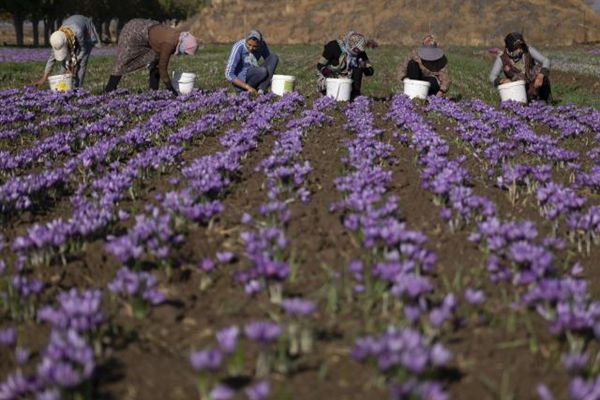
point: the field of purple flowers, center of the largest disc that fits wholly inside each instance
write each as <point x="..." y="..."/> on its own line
<point x="221" y="246"/>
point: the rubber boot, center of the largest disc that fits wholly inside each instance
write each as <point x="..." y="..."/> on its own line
<point x="113" y="81"/>
<point x="154" y="78"/>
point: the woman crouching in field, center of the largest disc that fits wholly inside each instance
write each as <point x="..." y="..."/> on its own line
<point x="243" y="69"/>
<point x="345" y="58"/>
<point x="427" y="63"/>
<point x="519" y="62"/>
<point x="148" y="43"/>
<point x="71" y="46"/>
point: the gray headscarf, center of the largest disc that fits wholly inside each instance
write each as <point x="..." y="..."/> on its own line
<point x="254" y="34"/>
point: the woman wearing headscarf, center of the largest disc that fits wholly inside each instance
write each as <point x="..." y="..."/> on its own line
<point x="427" y="63"/>
<point x="519" y="61"/>
<point x="148" y="43"/>
<point x="345" y="58"/>
<point x="71" y="45"/>
<point x="243" y="69"/>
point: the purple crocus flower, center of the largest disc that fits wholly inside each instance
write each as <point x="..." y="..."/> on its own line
<point x="206" y="360"/>
<point x="222" y="392"/>
<point x="575" y="362"/>
<point x="48" y="394"/>
<point x="262" y="332"/>
<point x="22" y="355"/>
<point x="18" y="385"/>
<point x="225" y="257"/>
<point x="543" y="392"/>
<point x="474" y="297"/>
<point x="228" y="338"/>
<point x="298" y="307"/>
<point x="207" y="264"/>
<point x="258" y="391"/>
<point x="8" y="337"/>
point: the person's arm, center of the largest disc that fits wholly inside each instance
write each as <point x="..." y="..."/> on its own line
<point x="444" y="78"/>
<point x="235" y="57"/>
<point x="402" y="68"/>
<point x="164" y="56"/>
<point x="494" y="77"/>
<point x="365" y="65"/>
<point x="47" y="70"/>
<point x="541" y="59"/>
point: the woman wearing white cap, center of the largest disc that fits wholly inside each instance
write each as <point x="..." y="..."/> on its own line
<point x="427" y="63"/>
<point x="71" y="46"/>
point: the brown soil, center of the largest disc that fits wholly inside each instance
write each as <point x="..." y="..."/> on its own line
<point x="505" y="354"/>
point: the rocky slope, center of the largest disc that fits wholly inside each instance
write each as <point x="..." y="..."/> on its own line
<point x="466" y="22"/>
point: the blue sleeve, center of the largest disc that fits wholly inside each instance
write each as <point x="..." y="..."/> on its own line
<point x="234" y="59"/>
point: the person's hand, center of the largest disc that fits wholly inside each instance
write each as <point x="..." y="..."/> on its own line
<point x="251" y="90"/>
<point x="39" y="83"/>
<point x="539" y="81"/>
<point x="326" y="72"/>
<point x="364" y="64"/>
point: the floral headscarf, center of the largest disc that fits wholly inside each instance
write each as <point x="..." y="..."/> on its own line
<point x="352" y="45"/>
<point x="187" y="44"/>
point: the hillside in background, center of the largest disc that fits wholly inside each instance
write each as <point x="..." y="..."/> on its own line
<point x="462" y="22"/>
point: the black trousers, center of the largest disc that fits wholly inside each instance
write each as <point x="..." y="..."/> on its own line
<point x="413" y="71"/>
<point x="357" y="75"/>
<point x="542" y="93"/>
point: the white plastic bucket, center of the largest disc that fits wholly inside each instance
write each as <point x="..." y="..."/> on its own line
<point x="183" y="82"/>
<point x="60" y="83"/>
<point x="339" y="88"/>
<point x="416" y="88"/>
<point x="282" y="84"/>
<point x="513" y="91"/>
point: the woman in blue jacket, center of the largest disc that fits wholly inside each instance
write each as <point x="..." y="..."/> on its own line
<point x="243" y="69"/>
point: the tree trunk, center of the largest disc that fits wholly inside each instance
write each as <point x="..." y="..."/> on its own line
<point x="36" y="32"/>
<point x="18" y="23"/>
<point x="48" y="28"/>
<point x="98" y="26"/>
<point x="106" y="32"/>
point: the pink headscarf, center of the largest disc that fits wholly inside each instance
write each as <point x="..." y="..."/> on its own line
<point x="187" y="44"/>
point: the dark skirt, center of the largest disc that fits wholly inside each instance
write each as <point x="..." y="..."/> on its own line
<point x="133" y="49"/>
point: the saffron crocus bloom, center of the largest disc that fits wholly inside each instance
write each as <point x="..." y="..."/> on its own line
<point x="206" y="360"/>
<point x="225" y="257"/>
<point x="222" y="392"/>
<point x="8" y="337"/>
<point x="228" y="338"/>
<point x="258" y="391"/>
<point x="298" y="307"/>
<point x="543" y="392"/>
<point x="474" y="297"/>
<point x="263" y="332"/>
